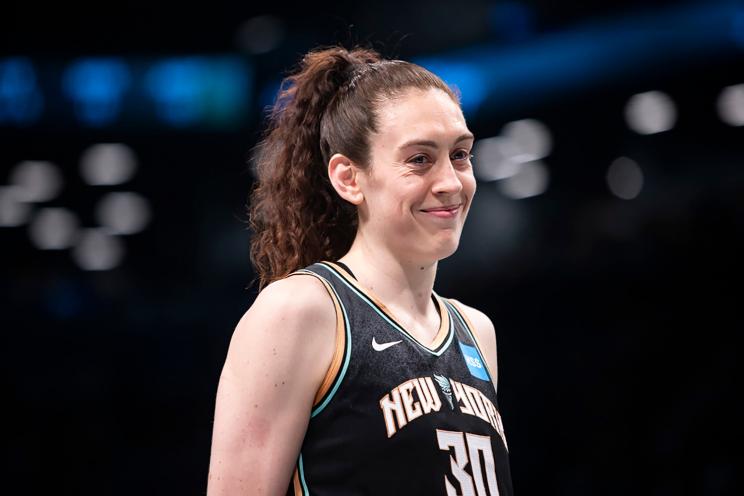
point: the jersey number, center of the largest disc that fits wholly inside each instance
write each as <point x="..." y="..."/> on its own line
<point x="469" y="452"/>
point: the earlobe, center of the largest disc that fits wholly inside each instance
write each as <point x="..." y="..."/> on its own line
<point x="344" y="177"/>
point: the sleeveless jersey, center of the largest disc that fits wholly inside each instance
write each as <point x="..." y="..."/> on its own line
<point x="394" y="416"/>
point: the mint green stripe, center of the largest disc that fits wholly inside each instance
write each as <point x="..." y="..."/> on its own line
<point x="340" y="377"/>
<point x="385" y="317"/>
<point x="302" y="476"/>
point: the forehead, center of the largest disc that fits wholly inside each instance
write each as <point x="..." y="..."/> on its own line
<point x="418" y="114"/>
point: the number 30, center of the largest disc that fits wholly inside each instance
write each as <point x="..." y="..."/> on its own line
<point x="469" y="453"/>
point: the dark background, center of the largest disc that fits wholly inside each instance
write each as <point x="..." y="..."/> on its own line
<point x="618" y="321"/>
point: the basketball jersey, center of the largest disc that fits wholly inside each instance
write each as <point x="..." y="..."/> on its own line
<point x="394" y="416"/>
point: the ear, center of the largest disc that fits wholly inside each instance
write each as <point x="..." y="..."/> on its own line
<point x="344" y="177"/>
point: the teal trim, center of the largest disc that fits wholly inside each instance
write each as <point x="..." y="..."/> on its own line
<point x="385" y="317"/>
<point x="301" y="470"/>
<point x="347" y="354"/>
<point x="472" y="337"/>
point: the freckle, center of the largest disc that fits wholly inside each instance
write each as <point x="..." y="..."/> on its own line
<point x="275" y="384"/>
<point x="255" y="405"/>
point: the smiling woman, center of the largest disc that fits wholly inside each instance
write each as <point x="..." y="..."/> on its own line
<point x="349" y="374"/>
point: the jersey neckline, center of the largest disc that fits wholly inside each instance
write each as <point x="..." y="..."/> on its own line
<point x="443" y="332"/>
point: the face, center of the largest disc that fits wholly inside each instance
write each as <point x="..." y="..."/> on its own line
<point x="420" y="185"/>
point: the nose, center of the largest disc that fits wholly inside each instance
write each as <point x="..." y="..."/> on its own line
<point x="447" y="181"/>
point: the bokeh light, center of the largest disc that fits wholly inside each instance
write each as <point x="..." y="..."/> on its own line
<point x="96" y="87"/>
<point x="38" y="181"/>
<point x="495" y="158"/>
<point x="96" y="250"/>
<point x="530" y="137"/>
<point x="530" y="180"/>
<point x="13" y="210"/>
<point x="107" y="164"/>
<point x="53" y="229"/>
<point x="625" y="178"/>
<point x="650" y="112"/>
<point x="123" y="212"/>
<point x="731" y="105"/>
<point x="21" y="99"/>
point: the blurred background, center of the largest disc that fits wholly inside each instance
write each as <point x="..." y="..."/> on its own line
<point x="604" y="240"/>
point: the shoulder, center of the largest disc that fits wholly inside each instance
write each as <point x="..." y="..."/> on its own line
<point x="294" y="314"/>
<point x="484" y="331"/>
<point x="480" y="322"/>
<point x="296" y="297"/>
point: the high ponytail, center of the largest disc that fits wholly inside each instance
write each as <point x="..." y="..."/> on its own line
<point x="325" y="107"/>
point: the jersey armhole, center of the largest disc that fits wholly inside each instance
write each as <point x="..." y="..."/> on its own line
<point x="471" y="329"/>
<point x="339" y="350"/>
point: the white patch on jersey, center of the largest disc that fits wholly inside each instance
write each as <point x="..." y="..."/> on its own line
<point x="444" y="384"/>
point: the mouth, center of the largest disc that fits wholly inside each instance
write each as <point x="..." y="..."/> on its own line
<point x="445" y="211"/>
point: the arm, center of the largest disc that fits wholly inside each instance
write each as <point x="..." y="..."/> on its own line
<point x="486" y="336"/>
<point x="278" y="356"/>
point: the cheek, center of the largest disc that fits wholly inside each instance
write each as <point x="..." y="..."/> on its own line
<point x="468" y="184"/>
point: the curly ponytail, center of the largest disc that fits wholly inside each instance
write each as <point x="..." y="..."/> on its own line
<point x="325" y="107"/>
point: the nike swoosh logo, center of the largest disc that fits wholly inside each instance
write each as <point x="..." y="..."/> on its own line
<point x="379" y="347"/>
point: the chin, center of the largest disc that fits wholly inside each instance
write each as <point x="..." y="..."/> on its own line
<point x="447" y="249"/>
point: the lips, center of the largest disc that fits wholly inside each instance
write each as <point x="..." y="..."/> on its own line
<point x="444" y="212"/>
<point x="445" y="208"/>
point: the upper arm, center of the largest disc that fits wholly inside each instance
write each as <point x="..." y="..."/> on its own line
<point x="486" y="336"/>
<point x="278" y="356"/>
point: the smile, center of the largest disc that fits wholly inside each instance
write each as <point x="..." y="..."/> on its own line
<point x="445" y="212"/>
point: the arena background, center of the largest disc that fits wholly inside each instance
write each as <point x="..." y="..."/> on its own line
<point x="604" y="241"/>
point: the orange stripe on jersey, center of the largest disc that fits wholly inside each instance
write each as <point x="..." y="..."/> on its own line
<point x="338" y="353"/>
<point x="296" y="482"/>
<point x="472" y="330"/>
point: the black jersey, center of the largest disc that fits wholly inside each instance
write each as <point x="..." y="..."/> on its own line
<point x="394" y="416"/>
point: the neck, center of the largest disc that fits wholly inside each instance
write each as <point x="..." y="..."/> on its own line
<point x="404" y="285"/>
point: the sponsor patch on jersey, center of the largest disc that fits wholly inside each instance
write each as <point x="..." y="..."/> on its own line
<point x="474" y="361"/>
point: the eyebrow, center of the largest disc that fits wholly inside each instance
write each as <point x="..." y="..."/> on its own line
<point x="433" y="144"/>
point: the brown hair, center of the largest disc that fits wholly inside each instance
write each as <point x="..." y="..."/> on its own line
<point x="326" y="106"/>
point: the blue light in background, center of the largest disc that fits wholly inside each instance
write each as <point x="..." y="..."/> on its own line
<point x="466" y="78"/>
<point x="512" y="21"/>
<point x="21" y="101"/>
<point x="96" y="86"/>
<point x="200" y="90"/>
<point x="175" y="84"/>
<point x="590" y="54"/>
<point x="268" y="96"/>
<point x="737" y="26"/>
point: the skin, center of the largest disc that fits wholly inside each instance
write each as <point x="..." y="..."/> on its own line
<point x="269" y="379"/>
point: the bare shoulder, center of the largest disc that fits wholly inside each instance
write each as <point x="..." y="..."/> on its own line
<point x="480" y="320"/>
<point x="291" y="300"/>
<point x="294" y="315"/>
<point x="485" y="333"/>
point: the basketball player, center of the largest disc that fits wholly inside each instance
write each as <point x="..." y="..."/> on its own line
<point x="349" y="375"/>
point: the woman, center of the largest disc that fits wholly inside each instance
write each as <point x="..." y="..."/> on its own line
<point x="348" y="374"/>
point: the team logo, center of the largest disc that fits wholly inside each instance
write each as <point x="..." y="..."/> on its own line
<point x="474" y="362"/>
<point x="444" y="385"/>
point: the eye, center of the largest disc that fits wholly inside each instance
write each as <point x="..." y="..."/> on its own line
<point x="419" y="160"/>
<point x="462" y="155"/>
